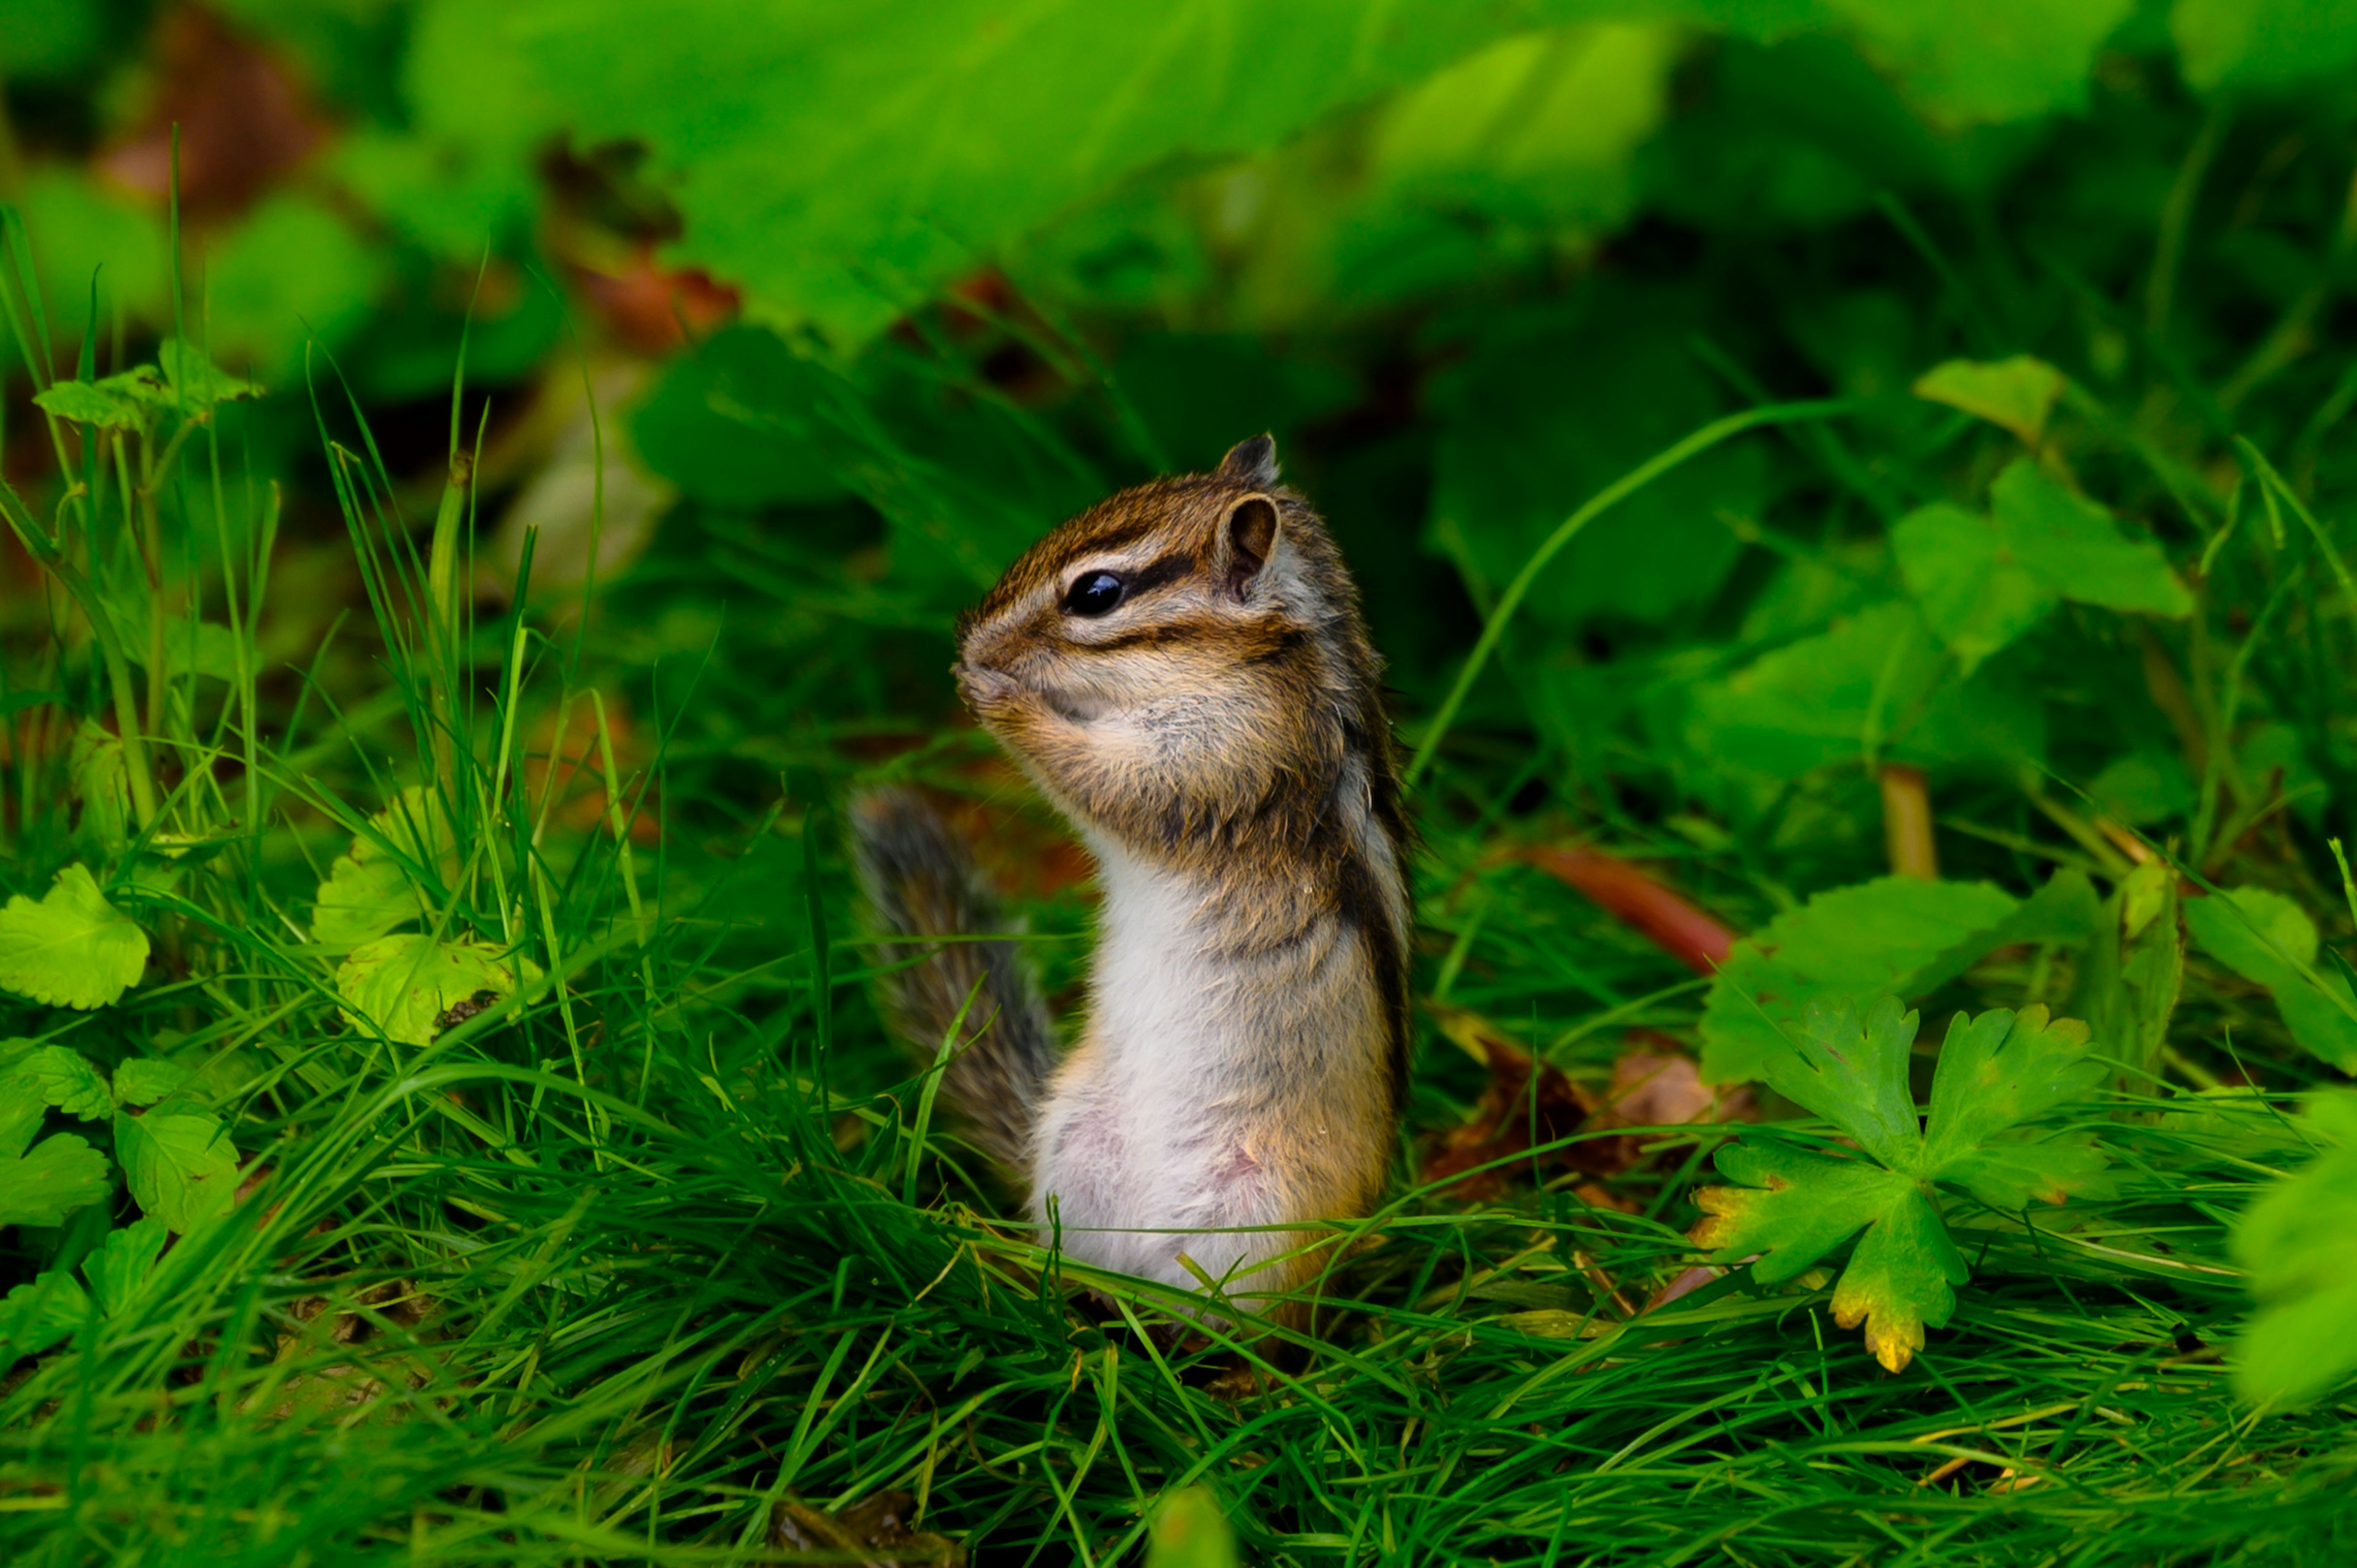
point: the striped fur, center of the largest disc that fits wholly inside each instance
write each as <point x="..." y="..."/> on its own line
<point x="1219" y="742"/>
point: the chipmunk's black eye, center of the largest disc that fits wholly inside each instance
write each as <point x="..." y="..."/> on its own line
<point x="1095" y="594"/>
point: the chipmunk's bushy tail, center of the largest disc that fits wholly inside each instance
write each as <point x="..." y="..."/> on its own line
<point x="922" y="883"/>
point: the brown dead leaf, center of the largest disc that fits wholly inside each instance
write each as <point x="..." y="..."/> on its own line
<point x="872" y="1533"/>
<point x="1653" y="1084"/>
<point x="570" y="765"/>
<point x="244" y="120"/>
<point x="1639" y="899"/>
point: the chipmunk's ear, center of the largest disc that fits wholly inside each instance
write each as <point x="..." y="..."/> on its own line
<point x="1252" y="462"/>
<point x="1247" y="539"/>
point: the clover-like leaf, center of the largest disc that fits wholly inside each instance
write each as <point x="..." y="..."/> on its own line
<point x="2295" y="1245"/>
<point x="180" y="1164"/>
<point x="1998" y="1075"/>
<point x="2269" y="941"/>
<point x="73" y="949"/>
<point x="410" y="986"/>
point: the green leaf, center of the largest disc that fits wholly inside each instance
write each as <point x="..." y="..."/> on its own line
<point x="1851" y="942"/>
<point x="195" y="380"/>
<point x="50" y="1180"/>
<point x="197" y="648"/>
<point x="2004" y="59"/>
<point x="41" y="1314"/>
<point x="123" y="1262"/>
<point x="1998" y="1075"/>
<point x="1963" y="573"/>
<point x="2264" y="45"/>
<point x="73" y="949"/>
<point x="144" y="1080"/>
<point x="377" y="886"/>
<point x="98" y="405"/>
<point x="2017" y="393"/>
<point x="1192" y="1531"/>
<point x="908" y="166"/>
<point x="2294" y="1243"/>
<point x="2129" y="982"/>
<point x="180" y="1164"/>
<point x="407" y="986"/>
<point x="102" y="784"/>
<point x="2269" y="941"/>
<point x="2072" y="546"/>
<point x="1875" y="679"/>
<point x="682" y="435"/>
<point x="65" y="1078"/>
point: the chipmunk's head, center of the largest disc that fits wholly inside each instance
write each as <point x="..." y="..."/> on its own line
<point x="1173" y="657"/>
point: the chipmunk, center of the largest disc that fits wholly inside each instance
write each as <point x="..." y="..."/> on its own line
<point x="1183" y="670"/>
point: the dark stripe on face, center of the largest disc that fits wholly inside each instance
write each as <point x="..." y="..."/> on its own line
<point x="1161" y="573"/>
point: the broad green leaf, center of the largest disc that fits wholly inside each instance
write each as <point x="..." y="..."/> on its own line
<point x="50" y="1180"/>
<point x="144" y="1080"/>
<point x="43" y="1313"/>
<point x="2267" y="939"/>
<point x="180" y="1164"/>
<point x="73" y="949"/>
<point x="102" y="407"/>
<point x="407" y="986"/>
<point x="684" y="435"/>
<point x="1192" y="1531"/>
<point x="102" y="784"/>
<point x="2064" y="913"/>
<point x="1999" y="1075"/>
<point x="65" y="1078"/>
<point x="1999" y="60"/>
<point x="1876" y="679"/>
<point x="2295" y="1244"/>
<point x="195" y="380"/>
<point x="190" y="648"/>
<point x="293" y="269"/>
<point x="1963" y="574"/>
<point x="122" y="1263"/>
<point x="2134" y="969"/>
<point x="376" y="886"/>
<point x="2145" y="786"/>
<point x="2017" y="393"/>
<point x="907" y="165"/>
<point x="1851" y="942"/>
<point x="2072" y="546"/>
<point x="2264" y="45"/>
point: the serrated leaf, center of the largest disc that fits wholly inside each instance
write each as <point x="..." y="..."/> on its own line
<point x="2017" y="393"/>
<point x="2295" y="1245"/>
<point x="405" y="986"/>
<point x="195" y="380"/>
<point x="122" y="1263"/>
<point x="50" y="1180"/>
<point x="144" y="1080"/>
<point x="1850" y="942"/>
<point x="99" y="406"/>
<point x="180" y="1164"/>
<point x="66" y="1079"/>
<point x="1998" y="1076"/>
<point x="375" y="886"/>
<point x="2074" y="546"/>
<point x="43" y="1313"/>
<point x="1900" y="1280"/>
<point x="2266" y="939"/>
<point x="73" y="949"/>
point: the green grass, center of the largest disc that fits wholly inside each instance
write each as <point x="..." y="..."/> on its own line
<point x="599" y="1263"/>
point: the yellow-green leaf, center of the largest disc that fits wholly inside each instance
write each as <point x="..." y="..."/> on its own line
<point x="2018" y="394"/>
<point x="73" y="949"/>
<point x="406" y="987"/>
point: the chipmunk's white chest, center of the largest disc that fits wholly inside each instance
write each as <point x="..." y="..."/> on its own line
<point x="1195" y="1059"/>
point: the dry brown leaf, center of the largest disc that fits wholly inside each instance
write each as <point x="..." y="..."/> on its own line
<point x="872" y="1533"/>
